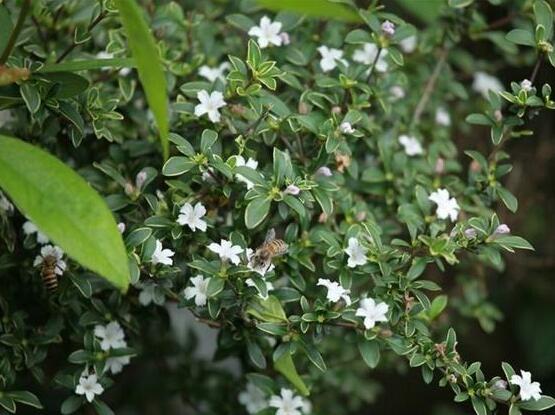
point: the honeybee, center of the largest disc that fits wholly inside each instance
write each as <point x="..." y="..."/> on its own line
<point x="51" y="265"/>
<point x="270" y="248"/>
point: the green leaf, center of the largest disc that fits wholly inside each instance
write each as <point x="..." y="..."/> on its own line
<point x="438" y="305"/>
<point x="544" y="17"/>
<point x="71" y="404"/>
<point x="282" y="166"/>
<point x="87" y="64"/>
<point x="255" y="354"/>
<point x="314" y="356"/>
<point x="151" y="73"/>
<point x="479" y="406"/>
<point x="508" y="370"/>
<point x="509" y="242"/>
<point x="65" y="207"/>
<point x="478" y="119"/>
<point x="268" y="310"/>
<point x="101" y="408"/>
<point x="8" y="404"/>
<point x="459" y="4"/>
<point x="545" y="402"/>
<point x="370" y="352"/>
<point x="256" y="211"/>
<point x="177" y="165"/>
<point x="215" y="286"/>
<point x="427" y="11"/>
<point x="207" y="140"/>
<point x="521" y="37"/>
<point x="285" y="365"/>
<point x="315" y="8"/>
<point x="31" y="96"/>
<point x="254" y="56"/>
<point x="26" y="398"/>
<point x="6" y="25"/>
<point x="508" y="199"/>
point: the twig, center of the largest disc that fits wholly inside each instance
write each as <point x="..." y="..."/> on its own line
<point x="502" y="21"/>
<point x="429" y="88"/>
<point x="25" y="7"/>
<point x="536" y="68"/>
<point x="91" y="26"/>
<point x="373" y="65"/>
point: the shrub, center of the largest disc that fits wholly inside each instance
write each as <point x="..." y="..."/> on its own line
<point x="302" y="193"/>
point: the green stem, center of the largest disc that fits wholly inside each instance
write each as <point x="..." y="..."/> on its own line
<point x="26" y="6"/>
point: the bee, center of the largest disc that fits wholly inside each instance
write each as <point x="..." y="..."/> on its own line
<point x="48" y="273"/>
<point x="270" y="248"/>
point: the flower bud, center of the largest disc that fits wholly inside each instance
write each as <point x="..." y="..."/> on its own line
<point x="388" y="28"/>
<point x="526" y="85"/>
<point x="140" y="179"/>
<point x="440" y="165"/>
<point x="502" y="229"/>
<point x="324" y="171"/>
<point x="121" y="227"/>
<point x="336" y="109"/>
<point x="292" y="190"/>
<point x="346" y="128"/>
<point x="303" y="108"/>
<point x="285" y="39"/>
<point x="470" y="233"/>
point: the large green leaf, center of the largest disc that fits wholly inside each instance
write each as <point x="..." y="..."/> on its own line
<point x="144" y="50"/>
<point x="286" y="367"/>
<point x="6" y="25"/>
<point x="315" y="8"/>
<point x="63" y="205"/>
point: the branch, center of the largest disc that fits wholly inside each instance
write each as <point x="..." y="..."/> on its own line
<point x="25" y="7"/>
<point x="91" y="26"/>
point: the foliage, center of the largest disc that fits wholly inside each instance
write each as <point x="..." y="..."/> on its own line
<point x="337" y="135"/>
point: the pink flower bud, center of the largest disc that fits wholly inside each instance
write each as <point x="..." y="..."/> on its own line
<point x="388" y="28"/>
<point x="121" y="227"/>
<point x="470" y="233"/>
<point x="292" y="190"/>
<point x="324" y="171"/>
<point x="440" y="165"/>
<point x="502" y="229"/>
<point x="285" y="39"/>
<point x="140" y="179"/>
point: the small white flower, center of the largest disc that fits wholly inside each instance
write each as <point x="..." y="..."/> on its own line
<point x="198" y="290"/>
<point x="324" y="171"/>
<point x="307" y="407"/>
<point x="191" y="216"/>
<point x="149" y="294"/>
<point x="269" y="287"/>
<point x="262" y="271"/>
<point x="287" y="403"/>
<point x="227" y="251"/>
<point x="447" y="207"/>
<point x="214" y="73"/>
<point x="442" y="117"/>
<point x="388" y="28"/>
<point x="411" y="144"/>
<point x="330" y="57"/>
<point x="5" y="204"/>
<point x="484" y="83"/>
<point x="267" y="33"/>
<point x="89" y="386"/>
<point x="346" y="128"/>
<point x="48" y="252"/>
<point x="526" y="85"/>
<point x="111" y="335"/>
<point x="121" y="227"/>
<point x="253" y="399"/>
<point x="372" y="312"/>
<point x="335" y="291"/>
<point x="356" y="253"/>
<point x="30" y="228"/>
<point x="367" y="55"/>
<point x="502" y="229"/>
<point x="285" y="38"/>
<point x="292" y="190"/>
<point x="253" y="164"/>
<point x="408" y="44"/>
<point x="116" y="364"/>
<point x="528" y="389"/>
<point x="210" y="104"/>
<point x="397" y="92"/>
<point x="161" y="256"/>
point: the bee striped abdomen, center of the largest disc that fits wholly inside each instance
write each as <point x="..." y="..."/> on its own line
<point x="48" y="274"/>
<point x="278" y="247"/>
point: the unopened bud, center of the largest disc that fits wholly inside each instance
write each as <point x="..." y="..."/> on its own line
<point x="502" y="229"/>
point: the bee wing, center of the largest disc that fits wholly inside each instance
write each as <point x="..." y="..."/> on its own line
<point x="270" y="236"/>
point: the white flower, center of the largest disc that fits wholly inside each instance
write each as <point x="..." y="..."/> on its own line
<point x="116" y="364"/>
<point x="411" y="144"/>
<point x="149" y="294"/>
<point x="48" y="252"/>
<point x="356" y="253"/>
<point x="5" y="204"/>
<point x="30" y="228"/>
<point x="324" y="171"/>
<point x="330" y="57"/>
<point x="213" y="73"/>
<point x="484" y="83"/>
<point x="335" y="291"/>
<point x="253" y="164"/>
<point x="346" y="128"/>
<point x="367" y="55"/>
<point x="198" y="290"/>
<point x="388" y="28"/>
<point x="307" y="407"/>
<point x="227" y="251"/>
<point x="161" y="256"/>
<point x="397" y="92"/>
<point x="267" y="33"/>
<point x="121" y="227"/>
<point x="408" y="44"/>
<point x="209" y="104"/>
<point x="89" y="386"/>
<point x="526" y="85"/>
<point x="372" y="312"/>
<point x="446" y="207"/>
<point x="191" y="216"/>
<point x="502" y="229"/>
<point x="442" y="117"/>
<point x="269" y="287"/>
<point x="261" y="270"/>
<point x="528" y="389"/>
<point x="285" y="38"/>
<point x="253" y="399"/>
<point x="111" y="335"/>
<point x="287" y="404"/>
<point x="292" y="190"/>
